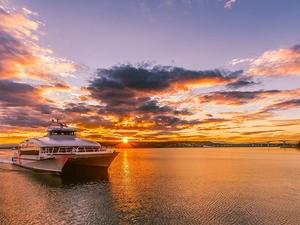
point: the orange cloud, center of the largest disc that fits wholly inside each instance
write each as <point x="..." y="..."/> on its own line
<point x="237" y="98"/>
<point x="281" y="62"/>
<point x="21" y="56"/>
<point x="234" y="98"/>
<point x="17" y="23"/>
<point x="240" y="117"/>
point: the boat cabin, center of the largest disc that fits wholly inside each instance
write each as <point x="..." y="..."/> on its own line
<point x="61" y="132"/>
<point x="60" y="128"/>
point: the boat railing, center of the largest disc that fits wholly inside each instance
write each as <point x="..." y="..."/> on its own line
<point x="72" y="149"/>
<point x="47" y="150"/>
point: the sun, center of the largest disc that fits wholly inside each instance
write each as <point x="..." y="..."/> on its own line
<point x="125" y="140"/>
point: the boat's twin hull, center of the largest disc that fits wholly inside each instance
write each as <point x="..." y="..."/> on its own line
<point x="58" y="163"/>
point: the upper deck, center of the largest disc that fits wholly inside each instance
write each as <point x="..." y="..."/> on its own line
<point x="59" y="135"/>
<point x="60" y="128"/>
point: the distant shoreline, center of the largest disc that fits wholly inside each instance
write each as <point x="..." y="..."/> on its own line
<point x="193" y="144"/>
<point x="179" y="144"/>
<point x="8" y="146"/>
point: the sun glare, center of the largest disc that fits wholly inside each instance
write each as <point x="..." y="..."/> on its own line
<point x="125" y="140"/>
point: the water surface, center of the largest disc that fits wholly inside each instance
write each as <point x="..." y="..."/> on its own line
<point x="160" y="186"/>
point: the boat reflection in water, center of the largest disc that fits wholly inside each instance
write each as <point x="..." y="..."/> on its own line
<point x="69" y="178"/>
<point x="86" y="174"/>
<point x="62" y="151"/>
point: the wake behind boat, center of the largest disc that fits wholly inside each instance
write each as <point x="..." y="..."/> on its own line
<point x="61" y="150"/>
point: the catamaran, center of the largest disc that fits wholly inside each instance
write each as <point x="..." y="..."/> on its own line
<point x="61" y="150"/>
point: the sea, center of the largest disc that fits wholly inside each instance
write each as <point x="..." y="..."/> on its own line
<point x="160" y="186"/>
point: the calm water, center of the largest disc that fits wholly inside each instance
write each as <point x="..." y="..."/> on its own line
<point x="160" y="186"/>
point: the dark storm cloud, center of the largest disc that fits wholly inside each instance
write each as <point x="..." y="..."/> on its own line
<point x="21" y="118"/>
<point x="233" y="75"/>
<point x="127" y="81"/>
<point x="139" y="121"/>
<point x="296" y="48"/>
<point x="16" y="94"/>
<point x="44" y="109"/>
<point x="11" y="48"/>
<point x="13" y="94"/>
<point x="11" y="86"/>
<point x="138" y="78"/>
<point x="284" y="105"/>
<point x="183" y="112"/>
<point x="127" y="89"/>
<point x="23" y="104"/>
<point x="152" y="106"/>
<point x="91" y="121"/>
<point x="174" y="121"/>
<point x="235" y="97"/>
<point x="127" y="102"/>
<point x="13" y="55"/>
<point x="77" y="108"/>
<point x="27" y="116"/>
<point x="241" y="83"/>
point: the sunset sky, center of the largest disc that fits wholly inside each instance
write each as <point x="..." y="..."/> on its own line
<point x="151" y="70"/>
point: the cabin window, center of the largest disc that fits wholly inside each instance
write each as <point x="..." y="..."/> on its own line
<point x="59" y="132"/>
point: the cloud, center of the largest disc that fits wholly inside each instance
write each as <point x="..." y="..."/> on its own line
<point x="78" y="108"/>
<point x="280" y="62"/>
<point x="139" y="97"/>
<point x="234" y="98"/>
<point x="22" y="59"/>
<point x="213" y="121"/>
<point x="240" y="117"/>
<point x="18" y="24"/>
<point x="259" y="132"/>
<point x="228" y="4"/>
<point x="127" y="81"/>
<point x="216" y="127"/>
<point x="242" y="82"/>
<point x="152" y="106"/>
<point x="237" y="61"/>
<point x="286" y="122"/>
<point x="17" y="94"/>
<point x="91" y="121"/>
<point x="148" y="116"/>
<point x="284" y="105"/>
<point x="142" y="100"/>
<point x="147" y="90"/>
<point x="20" y="55"/>
<point x="24" y="105"/>
<point x="163" y="122"/>
<point x="23" y="119"/>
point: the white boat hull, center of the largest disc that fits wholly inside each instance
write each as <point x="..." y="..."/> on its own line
<point x="58" y="163"/>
